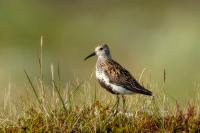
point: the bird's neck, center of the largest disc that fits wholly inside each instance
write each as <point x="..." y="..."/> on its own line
<point x="101" y="60"/>
<point x="104" y="57"/>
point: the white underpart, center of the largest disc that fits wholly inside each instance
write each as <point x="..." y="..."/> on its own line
<point x="115" y="88"/>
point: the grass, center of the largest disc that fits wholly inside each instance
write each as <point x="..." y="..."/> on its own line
<point x="86" y="107"/>
<point x="97" y="118"/>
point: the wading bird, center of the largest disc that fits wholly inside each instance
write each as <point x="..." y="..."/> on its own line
<point x="113" y="77"/>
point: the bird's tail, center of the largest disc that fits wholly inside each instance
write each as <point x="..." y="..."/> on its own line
<point x="147" y="92"/>
<point x="144" y="91"/>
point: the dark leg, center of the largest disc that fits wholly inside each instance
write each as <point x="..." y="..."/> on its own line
<point x="124" y="103"/>
<point x="117" y="104"/>
<point x="115" y="107"/>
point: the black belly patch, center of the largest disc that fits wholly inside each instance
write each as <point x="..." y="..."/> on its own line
<point x="105" y="86"/>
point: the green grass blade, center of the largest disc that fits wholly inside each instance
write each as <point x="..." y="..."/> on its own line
<point x="59" y="76"/>
<point x="77" y="88"/>
<point x="60" y="97"/>
<point x="33" y="88"/>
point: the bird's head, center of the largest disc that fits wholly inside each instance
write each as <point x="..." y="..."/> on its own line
<point x="100" y="51"/>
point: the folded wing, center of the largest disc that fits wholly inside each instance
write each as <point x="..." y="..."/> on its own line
<point x="121" y="77"/>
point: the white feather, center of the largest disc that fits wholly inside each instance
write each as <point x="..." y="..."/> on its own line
<point x="115" y="88"/>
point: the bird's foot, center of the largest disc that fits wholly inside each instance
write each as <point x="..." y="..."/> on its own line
<point x="115" y="112"/>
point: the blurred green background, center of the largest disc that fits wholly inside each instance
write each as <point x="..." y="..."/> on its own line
<point x="141" y="34"/>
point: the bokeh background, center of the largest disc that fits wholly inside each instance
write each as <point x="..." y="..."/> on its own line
<point x="150" y="35"/>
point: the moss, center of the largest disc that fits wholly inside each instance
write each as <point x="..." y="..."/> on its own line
<point x="88" y="120"/>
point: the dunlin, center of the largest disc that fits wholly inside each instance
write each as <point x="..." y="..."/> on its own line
<point x="113" y="77"/>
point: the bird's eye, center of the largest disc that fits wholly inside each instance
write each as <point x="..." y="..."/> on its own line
<point x="101" y="49"/>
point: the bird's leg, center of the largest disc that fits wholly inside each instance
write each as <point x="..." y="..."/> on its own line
<point x="124" y="103"/>
<point x="116" y="105"/>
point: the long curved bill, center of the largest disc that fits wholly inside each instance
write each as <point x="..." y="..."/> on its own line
<point x="92" y="54"/>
